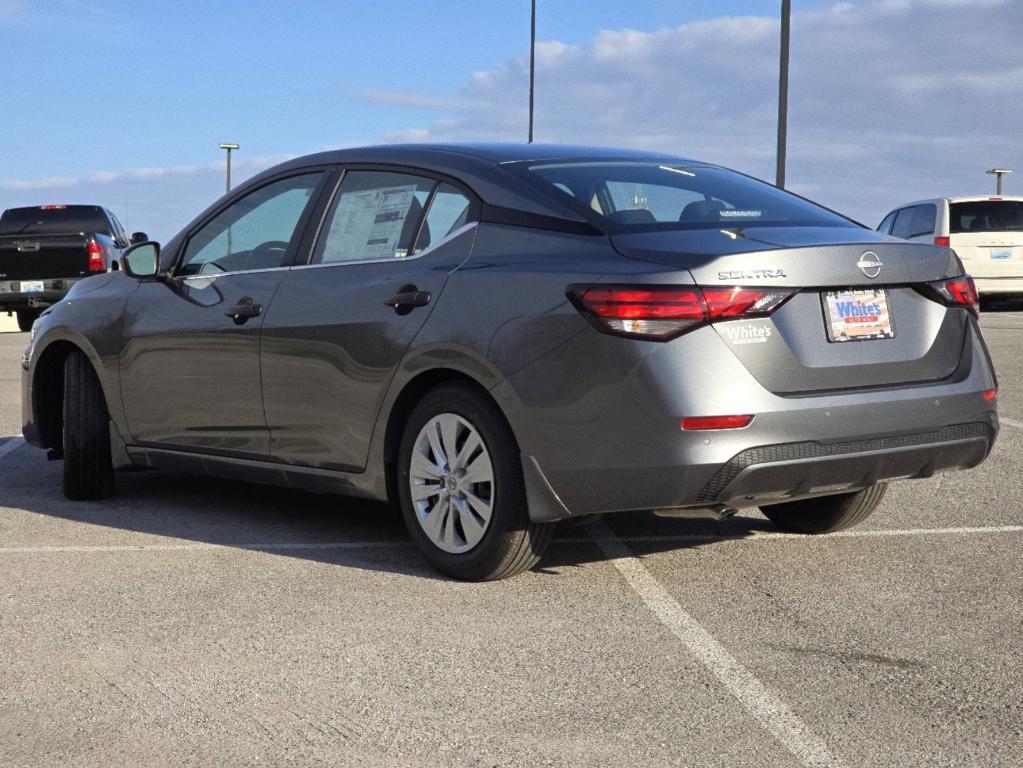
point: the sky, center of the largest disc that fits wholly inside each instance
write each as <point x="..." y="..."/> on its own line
<point x="123" y="103"/>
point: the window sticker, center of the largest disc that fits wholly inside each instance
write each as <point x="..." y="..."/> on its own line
<point x="368" y="224"/>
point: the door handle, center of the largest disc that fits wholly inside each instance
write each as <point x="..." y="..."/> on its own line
<point x="408" y="298"/>
<point x="243" y="310"/>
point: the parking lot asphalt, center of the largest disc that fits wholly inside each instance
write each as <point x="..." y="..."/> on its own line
<point x="196" y="622"/>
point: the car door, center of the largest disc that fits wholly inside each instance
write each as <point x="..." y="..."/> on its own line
<point x="340" y="323"/>
<point x="190" y="353"/>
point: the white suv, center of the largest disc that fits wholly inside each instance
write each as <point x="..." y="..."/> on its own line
<point x="985" y="232"/>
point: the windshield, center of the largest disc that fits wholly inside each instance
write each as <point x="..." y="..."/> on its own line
<point x="635" y="196"/>
<point x="54" y="220"/>
<point x="986" y="216"/>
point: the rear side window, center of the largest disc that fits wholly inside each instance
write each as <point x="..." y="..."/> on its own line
<point x="885" y="227"/>
<point x="449" y="210"/>
<point x="903" y="226"/>
<point x="986" y="216"/>
<point x="54" y="220"/>
<point x="374" y="216"/>
<point x="922" y="222"/>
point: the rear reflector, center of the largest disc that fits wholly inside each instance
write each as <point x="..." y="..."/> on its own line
<point x="943" y="240"/>
<point x="661" y="313"/>
<point x="96" y="261"/>
<point x="991" y="395"/>
<point x="694" y="423"/>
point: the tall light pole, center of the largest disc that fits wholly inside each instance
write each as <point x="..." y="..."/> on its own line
<point x="783" y="92"/>
<point x="229" y="147"/>
<point x="532" y="66"/>
<point x="998" y="173"/>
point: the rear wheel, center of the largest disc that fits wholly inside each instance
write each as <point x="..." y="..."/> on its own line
<point x="461" y="489"/>
<point x="88" y="468"/>
<point x="826" y="514"/>
<point x="26" y="317"/>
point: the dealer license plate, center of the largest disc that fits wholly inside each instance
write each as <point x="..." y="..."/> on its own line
<point x="857" y="315"/>
<point x="32" y="286"/>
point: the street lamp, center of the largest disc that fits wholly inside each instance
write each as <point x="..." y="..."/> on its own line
<point x="783" y="92"/>
<point x="532" y="66"/>
<point x="998" y="173"/>
<point x="229" y="147"/>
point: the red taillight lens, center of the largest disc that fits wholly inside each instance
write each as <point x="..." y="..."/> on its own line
<point x="664" y="312"/>
<point x="959" y="292"/>
<point x="990" y="395"/>
<point x="694" y="423"/>
<point x="96" y="261"/>
<point x="943" y="240"/>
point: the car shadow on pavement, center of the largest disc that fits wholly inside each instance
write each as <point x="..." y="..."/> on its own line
<point x="330" y="529"/>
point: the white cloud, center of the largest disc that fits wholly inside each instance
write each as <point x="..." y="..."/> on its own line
<point x="890" y="100"/>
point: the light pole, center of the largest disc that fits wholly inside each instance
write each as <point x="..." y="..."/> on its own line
<point x="532" y="66"/>
<point x="783" y="92"/>
<point x="998" y="173"/>
<point x="229" y="147"/>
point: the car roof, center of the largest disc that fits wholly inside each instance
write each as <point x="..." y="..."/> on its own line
<point x="960" y="199"/>
<point x="481" y="166"/>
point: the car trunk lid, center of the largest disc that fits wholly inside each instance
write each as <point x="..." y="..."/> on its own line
<point x="845" y="280"/>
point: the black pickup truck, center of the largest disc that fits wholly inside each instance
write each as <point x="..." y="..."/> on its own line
<point x="46" y="249"/>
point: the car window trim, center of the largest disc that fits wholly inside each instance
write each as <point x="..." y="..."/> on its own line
<point x="300" y="226"/>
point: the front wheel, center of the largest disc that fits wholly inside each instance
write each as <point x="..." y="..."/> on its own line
<point x="461" y="489"/>
<point x="826" y="514"/>
<point x="88" y="467"/>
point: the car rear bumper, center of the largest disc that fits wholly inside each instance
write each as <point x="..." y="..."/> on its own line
<point x="994" y="285"/>
<point x="617" y="444"/>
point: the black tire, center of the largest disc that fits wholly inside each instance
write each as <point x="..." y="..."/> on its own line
<point x="511" y="543"/>
<point x="26" y="317"/>
<point x="88" y="468"/>
<point x="826" y="514"/>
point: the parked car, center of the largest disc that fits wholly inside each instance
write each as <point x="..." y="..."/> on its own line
<point x="498" y="337"/>
<point x="45" y="250"/>
<point x="985" y="232"/>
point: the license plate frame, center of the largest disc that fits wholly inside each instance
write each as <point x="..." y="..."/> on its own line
<point x="857" y="314"/>
<point x="32" y="286"/>
<point x="1001" y="254"/>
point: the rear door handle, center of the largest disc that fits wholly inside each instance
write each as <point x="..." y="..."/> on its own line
<point x="408" y="298"/>
<point x="243" y="310"/>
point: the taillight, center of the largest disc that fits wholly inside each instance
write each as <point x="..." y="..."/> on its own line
<point x="958" y="292"/>
<point x="660" y="313"/>
<point x="943" y="240"/>
<point x="96" y="261"/>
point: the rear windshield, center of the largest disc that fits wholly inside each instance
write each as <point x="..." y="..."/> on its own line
<point x="636" y="196"/>
<point x="52" y="220"/>
<point x="986" y="216"/>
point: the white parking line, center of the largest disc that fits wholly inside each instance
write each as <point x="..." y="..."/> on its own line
<point x="12" y="444"/>
<point x="272" y="546"/>
<point x="1011" y="422"/>
<point x="764" y="706"/>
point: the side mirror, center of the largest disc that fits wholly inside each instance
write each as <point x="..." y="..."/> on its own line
<point x="142" y="260"/>
<point x="139" y="237"/>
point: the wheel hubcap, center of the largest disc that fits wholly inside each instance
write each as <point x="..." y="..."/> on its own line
<point x="451" y="481"/>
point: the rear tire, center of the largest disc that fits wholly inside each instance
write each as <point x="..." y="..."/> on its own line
<point x="88" y="468"/>
<point x="826" y="514"/>
<point x="452" y="542"/>
<point x="26" y="317"/>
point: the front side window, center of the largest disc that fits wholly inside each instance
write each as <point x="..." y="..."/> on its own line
<point x="623" y="196"/>
<point x="986" y="216"/>
<point x="375" y="216"/>
<point x="254" y="232"/>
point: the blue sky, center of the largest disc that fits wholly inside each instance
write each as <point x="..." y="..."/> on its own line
<point x="124" y="103"/>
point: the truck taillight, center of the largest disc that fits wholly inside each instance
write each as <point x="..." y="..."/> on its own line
<point x="96" y="261"/>
<point x="660" y="313"/>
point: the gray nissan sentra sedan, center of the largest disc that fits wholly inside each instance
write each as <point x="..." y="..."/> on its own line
<point x="498" y="337"/>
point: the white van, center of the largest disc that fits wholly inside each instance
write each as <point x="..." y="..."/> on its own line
<point x="986" y="233"/>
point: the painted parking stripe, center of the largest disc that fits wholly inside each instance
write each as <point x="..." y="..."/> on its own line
<point x="12" y="444"/>
<point x="762" y="704"/>
<point x="273" y="546"/>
